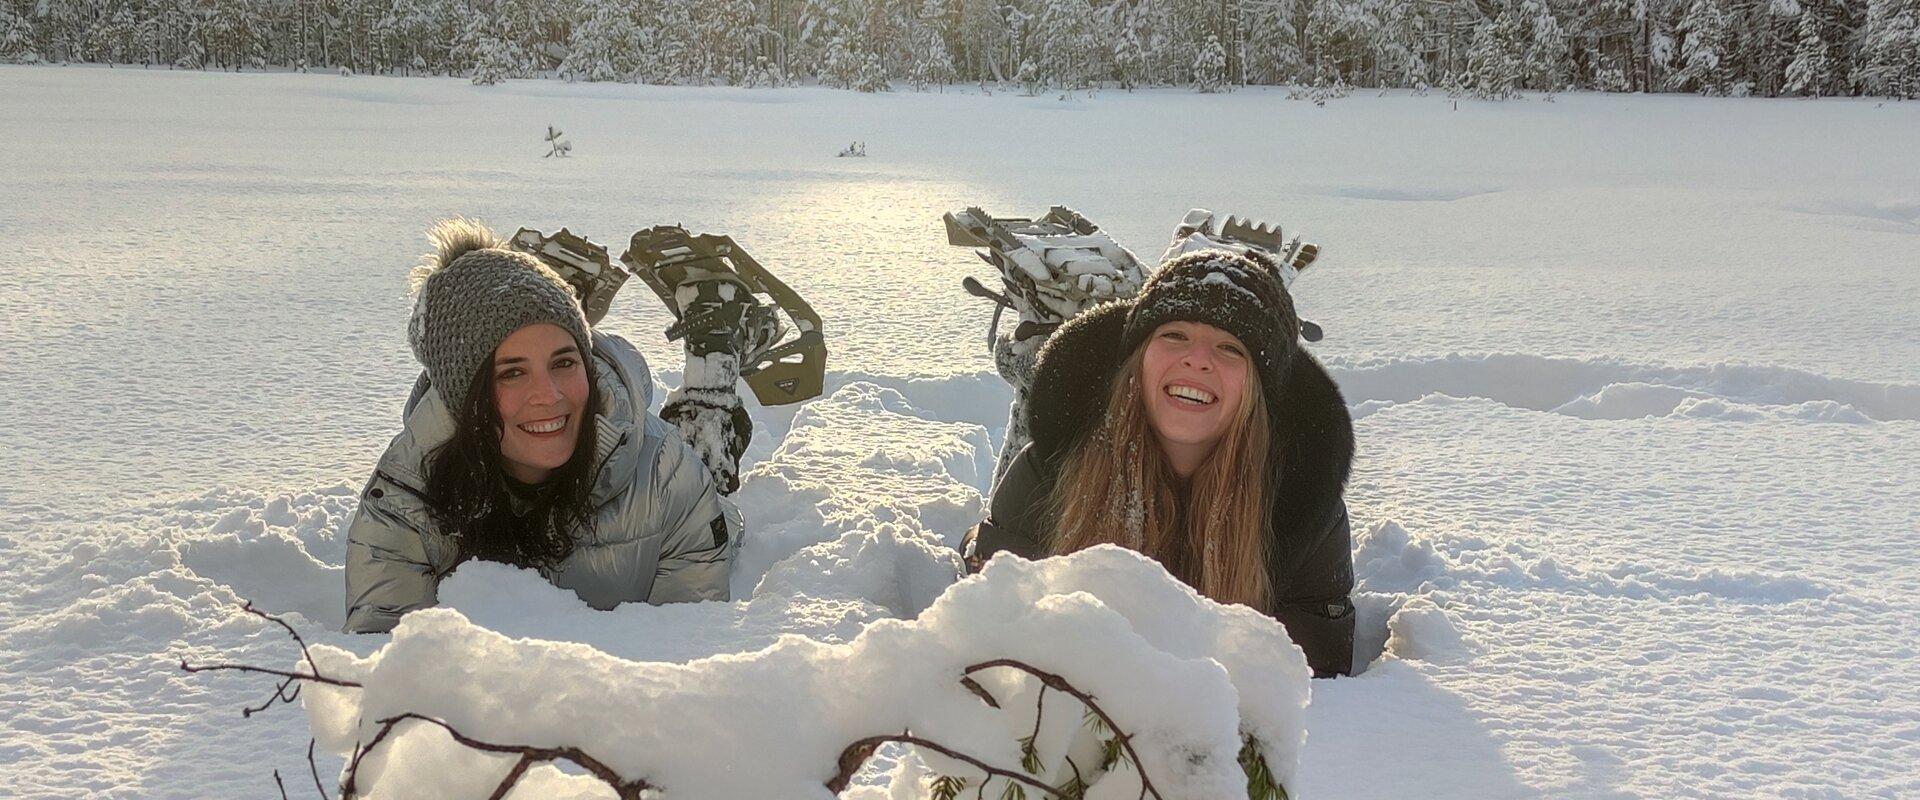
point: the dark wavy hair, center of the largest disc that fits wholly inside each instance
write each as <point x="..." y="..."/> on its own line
<point x="467" y="485"/>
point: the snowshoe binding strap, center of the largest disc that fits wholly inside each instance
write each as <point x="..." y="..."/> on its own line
<point x="581" y="263"/>
<point x="670" y="260"/>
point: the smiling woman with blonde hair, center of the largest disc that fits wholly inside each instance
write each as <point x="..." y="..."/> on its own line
<point x="1189" y="425"/>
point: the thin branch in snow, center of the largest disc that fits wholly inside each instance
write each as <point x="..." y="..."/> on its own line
<point x="1054" y="681"/>
<point x="872" y="743"/>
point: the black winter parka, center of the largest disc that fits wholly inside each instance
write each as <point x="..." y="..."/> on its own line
<point x="1310" y="553"/>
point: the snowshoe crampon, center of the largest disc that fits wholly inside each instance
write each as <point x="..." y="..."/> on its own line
<point x="1197" y="231"/>
<point x="581" y="263"/>
<point x="715" y="290"/>
<point x="1052" y="268"/>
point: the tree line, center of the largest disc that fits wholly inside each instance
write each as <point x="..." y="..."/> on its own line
<point x="1486" y="48"/>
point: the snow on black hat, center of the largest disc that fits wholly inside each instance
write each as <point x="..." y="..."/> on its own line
<point x="473" y="294"/>
<point x="1240" y="294"/>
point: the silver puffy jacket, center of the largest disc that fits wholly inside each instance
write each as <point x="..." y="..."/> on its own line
<point x="660" y="532"/>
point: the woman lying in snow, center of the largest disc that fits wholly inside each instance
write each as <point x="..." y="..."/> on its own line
<point x="530" y="443"/>
<point x="1188" y="424"/>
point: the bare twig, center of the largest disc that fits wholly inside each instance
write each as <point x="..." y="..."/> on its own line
<point x="1055" y="681"/>
<point x="626" y="789"/>
<point x="871" y="743"/>
<point x="314" y="769"/>
<point x="979" y="691"/>
<point x="303" y="676"/>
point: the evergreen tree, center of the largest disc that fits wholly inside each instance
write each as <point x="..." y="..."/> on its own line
<point x="1065" y="49"/>
<point x="1128" y="55"/>
<point x="1210" y="66"/>
<point x="1889" y="60"/>
<point x="601" y="47"/>
<point x="1544" y="61"/>
<point x="16" y="33"/>
<point x="934" y="65"/>
<point x="872" y="76"/>
<point x="1496" y="61"/>
<point x="725" y="31"/>
<point x="1810" y="73"/>
<point x="1703" y="48"/>
<point x="494" y="60"/>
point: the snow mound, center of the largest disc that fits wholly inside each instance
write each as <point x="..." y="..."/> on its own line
<point x="1186" y="677"/>
<point x="1389" y="560"/>
<point x="1637" y="400"/>
<point x="1614" y="389"/>
<point x="859" y="458"/>
<point x="1423" y="631"/>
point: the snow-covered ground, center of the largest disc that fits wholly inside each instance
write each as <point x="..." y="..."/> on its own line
<point x="1636" y="380"/>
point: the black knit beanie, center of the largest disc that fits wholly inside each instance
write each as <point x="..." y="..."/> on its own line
<point x="473" y="294"/>
<point x="1240" y="294"/>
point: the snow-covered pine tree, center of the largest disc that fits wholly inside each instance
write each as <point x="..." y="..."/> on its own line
<point x="725" y="32"/>
<point x="1811" y="73"/>
<point x="1889" y="55"/>
<point x="16" y="33"/>
<point x="1703" y="49"/>
<point x="839" y="66"/>
<point x="1210" y="66"/>
<point x="1127" y="55"/>
<point x="1544" y="61"/>
<point x="665" y="42"/>
<point x="872" y="76"/>
<point x="1395" y="49"/>
<point x="600" y="48"/>
<point x="1064" y="45"/>
<point x="934" y="66"/>
<point x="1029" y="78"/>
<point x="494" y="60"/>
<point x="1496" y="60"/>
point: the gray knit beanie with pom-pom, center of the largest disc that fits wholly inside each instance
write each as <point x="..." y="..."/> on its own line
<point x="472" y="293"/>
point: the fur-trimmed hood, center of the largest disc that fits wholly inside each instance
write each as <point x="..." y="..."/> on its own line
<point x="1312" y="451"/>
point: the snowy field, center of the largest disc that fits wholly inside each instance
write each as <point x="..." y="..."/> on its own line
<point x="1636" y="384"/>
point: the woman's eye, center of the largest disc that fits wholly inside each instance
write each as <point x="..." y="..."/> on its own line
<point x="508" y="374"/>
<point x="1175" y="336"/>
<point x="1230" y="349"/>
<point x="565" y="363"/>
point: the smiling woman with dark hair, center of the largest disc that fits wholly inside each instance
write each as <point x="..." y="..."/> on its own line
<point x="530" y="446"/>
<point x="1189" y="425"/>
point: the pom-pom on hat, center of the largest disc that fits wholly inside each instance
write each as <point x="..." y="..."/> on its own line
<point x="471" y="294"/>
<point x="1240" y="294"/>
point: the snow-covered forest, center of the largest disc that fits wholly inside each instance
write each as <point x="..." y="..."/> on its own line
<point x="1486" y="48"/>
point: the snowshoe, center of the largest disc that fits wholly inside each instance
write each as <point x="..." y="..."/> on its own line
<point x="581" y="263"/>
<point x="1197" y="232"/>
<point x="714" y="289"/>
<point x="1052" y="268"/>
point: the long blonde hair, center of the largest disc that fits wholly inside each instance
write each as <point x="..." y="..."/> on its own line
<point x="1117" y="486"/>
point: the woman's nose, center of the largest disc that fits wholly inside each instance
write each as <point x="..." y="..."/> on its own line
<point x="1198" y="359"/>
<point x="546" y="391"/>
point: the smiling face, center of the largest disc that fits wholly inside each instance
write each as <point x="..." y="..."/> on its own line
<point x="1194" y="380"/>
<point x="540" y="390"/>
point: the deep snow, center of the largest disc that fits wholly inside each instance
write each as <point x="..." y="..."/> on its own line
<point x="1636" y="384"/>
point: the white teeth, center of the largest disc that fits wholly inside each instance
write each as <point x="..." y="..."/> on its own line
<point x="546" y="427"/>
<point x="1190" y="393"/>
